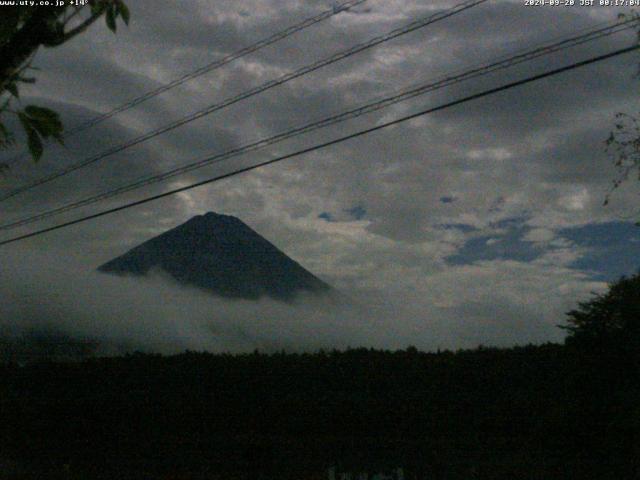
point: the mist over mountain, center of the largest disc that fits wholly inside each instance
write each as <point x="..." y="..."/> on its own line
<point x="222" y="255"/>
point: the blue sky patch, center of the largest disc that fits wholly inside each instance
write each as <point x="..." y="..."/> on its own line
<point x="610" y="249"/>
<point x="506" y="246"/>
<point x="613" y="248"/>
<point x="512" y="222"/>
<point x="463" y="227"/>
<point x="356" y="213"/>
<point x="326" y="216"/>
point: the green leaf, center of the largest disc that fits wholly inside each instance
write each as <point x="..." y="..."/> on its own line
<point x="35" y="144"/>
<point x="6" y="138"/>
<point x="45" y="121"/>
<point x="96" y="7"/>
<point x="33" y="139"/>
<point x="110" y="17"/>
<point x="35" y="111"/>
<point x="124" y="12"/>
<point x="44" y="114"/>
<point x="12" y="88"/>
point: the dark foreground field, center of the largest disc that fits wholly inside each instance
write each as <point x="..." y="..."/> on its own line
<point x="536" y="412"/>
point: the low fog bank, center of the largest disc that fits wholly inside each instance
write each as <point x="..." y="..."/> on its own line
<point x="154" y="314"/>
<point x="41" y="294"/>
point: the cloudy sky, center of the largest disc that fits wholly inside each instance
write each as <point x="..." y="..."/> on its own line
<point x="481" y="223"/>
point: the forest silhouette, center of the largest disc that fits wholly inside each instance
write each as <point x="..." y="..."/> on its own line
<point x="530" y="412"/>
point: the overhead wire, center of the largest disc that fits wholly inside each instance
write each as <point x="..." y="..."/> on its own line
<point x="410" y="27"/>
<point x="249" y="49"/>
<point x="341" y="139"/>
<point x="484" y="69"/>
<point x="276" y="37"/>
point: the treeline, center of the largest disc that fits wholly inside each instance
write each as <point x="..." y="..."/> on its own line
<point x="533" y="412"/>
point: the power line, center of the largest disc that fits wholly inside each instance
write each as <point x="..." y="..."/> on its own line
<point x="360" y="133"/>
<point x="276" y="37"/>
<point x="522" y="56"/>
<point x="219" y="63"/>
<point x="412" y="26"/>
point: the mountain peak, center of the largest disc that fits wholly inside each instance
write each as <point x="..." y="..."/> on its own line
<point x="218" y="217"/>
<point x="220" y="254"/>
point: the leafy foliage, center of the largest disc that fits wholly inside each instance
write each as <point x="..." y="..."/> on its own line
<point x="611" y="319"/>
<point x="6" y="137"/>
<point x="23" y="30"/>
<point x="39" y="123"/>
<point x="114" y="10"/>
<point x="623" y="143"/>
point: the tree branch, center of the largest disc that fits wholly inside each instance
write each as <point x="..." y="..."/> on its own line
<point x="76" y="11"/>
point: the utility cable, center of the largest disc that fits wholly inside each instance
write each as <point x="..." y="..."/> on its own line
<point x="332" y="120"/>
<point x="360" y="133"/>
<point x="281" y="35"/>
<point x="276" y="37"/>
<point x="412" y="26"/>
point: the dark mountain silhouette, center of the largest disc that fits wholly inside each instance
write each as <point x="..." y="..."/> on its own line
<point x="220" y="254"/>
